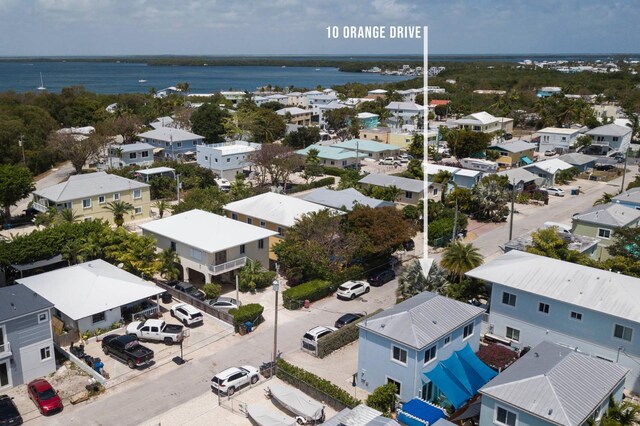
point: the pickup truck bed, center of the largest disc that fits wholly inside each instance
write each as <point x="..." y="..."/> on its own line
<point x="127" y="349"/>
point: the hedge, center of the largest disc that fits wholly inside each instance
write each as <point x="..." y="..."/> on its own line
<point x="312" y="290"/>
<point x="294" y="375"/>
<point x="333" y="171"/>
<point x="342" y="337"/>
<point x="251" y="312"/>
<point x="317" y="184"/>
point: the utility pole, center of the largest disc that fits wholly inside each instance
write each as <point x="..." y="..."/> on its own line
<point x="237" y="287"/>
<point x="178" y="187"/>
<point x="513" y="200"/>
<point x="455" y="223"/>
<point x="276" y="289"/>
<point x="24" y="160"/>
<point x="624" y="174"/>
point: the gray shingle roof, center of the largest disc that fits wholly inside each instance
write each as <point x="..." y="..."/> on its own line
<point x="91" y="184"/>
<point x="419" y="321"/>
<point x="631" y="196"/>
<point x="514" y="146"/>
<point x="556" y="384"/>
<point x="518" y="175"/>
<point x="609" y="214"/>
<point x="346" y="198"/>
<point x="18" y="300"/>
<point x="405" y="184"/>
<point x="577" y="158"/>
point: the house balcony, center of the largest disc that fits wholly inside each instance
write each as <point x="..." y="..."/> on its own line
<point x="40" y="207"/>
<point x="227" y="266"/>
<point x="5" y="350"/>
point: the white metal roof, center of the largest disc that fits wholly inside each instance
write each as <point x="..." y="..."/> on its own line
<point x="89" y="288"/>
<point x="170" y="134"/>
<point x="134" y="147"/>
<point x="404" y="184"/>
<point x="596" y="289"/>
<point x="155" y="170"/>
<point x="206" y="231"/>
<point x="276" y="208"/>
<point x="292" y="111"/>
<point x="88" y="185"/>
<point x="551" y="166"/>
<point x="610" y="130"/>
<point x="410" y="106"/>
<point x="559" y="130"/>
<point x="478" y="117"/>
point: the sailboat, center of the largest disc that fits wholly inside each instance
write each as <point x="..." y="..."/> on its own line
<point x="41" y="88"/>
<point x="142" y="80"/>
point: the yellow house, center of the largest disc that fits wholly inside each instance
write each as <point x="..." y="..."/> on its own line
<point x="514" y="153"/>
<point x="87" y="196"/>
<point x="275" y="212"/>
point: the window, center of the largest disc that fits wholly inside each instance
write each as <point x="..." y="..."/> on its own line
<point x="43" y="317"/>
<point x="250" y="221"/>
<point x="280" y="230"/>
<point x="102" y="199"/>
<point x="576" y="316"/>
<point x="86" y="219"/>
<point x="543" y="307"/>
<point x="447" y="340"/>
<point x="98" y="317"/>
<point x="505" y="417"/>
<point x="45" y="353"/>
<point x="615" y="139"/>
<point x="144" y="154"/>
<point x="167" y="144"/>
<point x="196" y="254"/>
<point x="399" y="354"/>
<point x="86" y="203"/>
<point x="260" y="244"/>
<point x="513" y="334"/>
<point x="137" y="194"/>
<point x="408" y="195"/>
<point x="263" y="223"/>
<point x="173" y="245"/>
<point x="604" y="233"/>
<point x="116" y="196"/>
<point x="137" y="210"/>
<point x="467" y="331"/>
<point x="242" y="249"/>
<point x="228" y="160"/>
<point x="508" y="298"/>
<point x="179" y="144"/>
<point x="398" y="385"/>
<point x="132" y="156"/>
<point x="622" y="332"/>
<point x="234" y="216"/>
<point x="430" y="354"/>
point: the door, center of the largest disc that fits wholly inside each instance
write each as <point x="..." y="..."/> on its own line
<point x="5" y="377"/>
<point x="221" y="257"/>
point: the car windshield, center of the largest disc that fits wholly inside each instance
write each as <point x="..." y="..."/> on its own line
<point x="46" y="394"/>
<point x="308" y="336"/>
<point x="197" y="315"/>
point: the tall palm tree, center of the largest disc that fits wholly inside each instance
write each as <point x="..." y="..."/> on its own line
<point x="168" y="264"/>
<point x="604" y="199"/>
<point x="162" y="206"/>
<point x="412" y="280"/>
<point x="392" y="193"/>
<point x="250" y="275"/>
<point x="67" y="216"/>
<point x="119" y="209"/>
<point x="459" y="258"/>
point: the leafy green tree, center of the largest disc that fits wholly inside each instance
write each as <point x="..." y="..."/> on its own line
<point x="208" y="199"/>
<point x="212" y="291"/>
<point x="565" y="176"/>
<point x="16" y="183"/>
<point x="490" y="198"/>
<point x="635" y="183"/>
<point x="412" y="280"/>
<point x="272" y="105"/>
<point x="378" y="230"/>
<point x="169" y="261"/>
<point x="338" y="121"/>
<point x="208" y="121"/>
<point x="119" y="209"/>
<point x="302" y="138"/>
<point x="312" y="166"/>
<point x="253" y="276"/>
<point x="547" y="242"/>
<point x="266" y="126"/>
<point x="583" y="141"/>
<point x="77" y="150"/>
<point x="162" y="206"/>
<point x="466" y="143"/>
<point x="623" y="413"/>
<point x="443" y="177"/>
<point x="240" y="189"/>
<point x="383" y="398"/>
<point x="459" y="258"/>
<point x="46" y="219"/>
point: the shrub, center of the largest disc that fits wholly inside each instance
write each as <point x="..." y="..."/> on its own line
<point x="440" y="228"/>
<point x="383" y="398"/>
<point x="317" y="184"/>
<point x="522" y="198"/>
<point x="251" y="312"/>
<point x="313" y="290"/>
<point x="497" y="356"/>
<point x="342" y="337"/>
<point x="294" y="375"/>
<point x="212" y="291"/>
<point x="333" y="171"/>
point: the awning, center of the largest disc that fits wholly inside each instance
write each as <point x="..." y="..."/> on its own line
<point x="157" y="150"/>
<point x="419" y="412"/>
<point x="38" y="263"/>
<point x="526" y="160"/>
<point x="449" y="385"/>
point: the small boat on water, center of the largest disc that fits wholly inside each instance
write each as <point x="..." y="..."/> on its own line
<point x="142" y="80"/>
<point x="284" y="66"/>
<point x="42" y="87"/>
<point x="317" y="69"/>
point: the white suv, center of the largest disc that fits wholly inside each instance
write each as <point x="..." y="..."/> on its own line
<point x="310" y="338"/>
<point x="229" y="380"/>
<point x="352" y="289"/>
<point x="187" y="314"/>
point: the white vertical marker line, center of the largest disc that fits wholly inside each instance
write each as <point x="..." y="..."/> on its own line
<point x="425" y="261"/>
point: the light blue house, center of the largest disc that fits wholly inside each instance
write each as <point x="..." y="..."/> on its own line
<point x="367" y="120"/>
<point x="173" y="143"/>
<point x="373" y="149"/>
<point x="551" y="385"/>
<point x="536" y="298"/>
<point x="629" y="198"/>
<point x="334" y="156"/>
<point x="133" y="154"/>
<point x="464" y="178"/>
<point x="425" y="346"/>
<point x="545" y="92"/>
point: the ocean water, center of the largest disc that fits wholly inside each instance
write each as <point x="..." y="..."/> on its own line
<point x="107" y="77"/>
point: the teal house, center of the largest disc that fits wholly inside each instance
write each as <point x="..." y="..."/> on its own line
<point x="368" y="120"/>
<point x="334" y="156"/>
<point x="371" y="149"/>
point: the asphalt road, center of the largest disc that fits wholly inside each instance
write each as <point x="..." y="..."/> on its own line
<point x="52" y="177"/>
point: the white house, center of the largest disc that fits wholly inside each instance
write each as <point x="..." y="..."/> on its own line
<point x="320" y="110"/>
<point x="174" y="143"/>
<point x="610" y="137"/>
<point x="404" y="112"/>
<point x="296" y="115"/>
<point x="551" y="385"/>
<point x="557" y="138"/>
<point x="485" y="123"/>
<point x="210" y="245"/>
<point x="234" y="96"/>
<point x="536" y="298"/>
<point x="90" y="295"/>
<point x="227" y="158"/>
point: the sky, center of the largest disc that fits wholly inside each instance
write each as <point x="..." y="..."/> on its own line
<point x="270" y="27"/>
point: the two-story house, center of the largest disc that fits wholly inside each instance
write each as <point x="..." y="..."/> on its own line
<point x="367" y="120"/>
<point x="485" y="123"/>
<point x="610" y="137"/>
<point x="404" y="113"/>
<point x="296" y="115"/>
<point x="87" y="196"/>
<point x="536" y="298"/>
<point x="557" y="139"/>
<point x="514" y="153"/>
<point x="551" y="385"/>
<point x="133" y="154"/>
<point x="26" y="338"/>
<point x="411" y="190"/>
<point x="414" y="344"/>
<point x="602" y="221"/>
<point x="175" y="143"/>
<point x="629" y="198"/>
<point x="226" y="159"/>
<point x="210" y="247"/>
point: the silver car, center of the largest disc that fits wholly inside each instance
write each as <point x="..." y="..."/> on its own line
<point x="224" y="303"/>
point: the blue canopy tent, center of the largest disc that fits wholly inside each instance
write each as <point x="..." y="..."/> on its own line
<point x="419" y="412"/>
<point x="460" y="376"/>
<point x="526" y="160"/>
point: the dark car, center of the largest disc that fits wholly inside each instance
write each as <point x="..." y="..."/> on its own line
<point x="347" y="319"/>
<point x="379" y="278"/>
<point x="127" y="349"/>
<point x="9" y="414"/>
<point x="508" y="136"/>
<point x="45" y="397"/>
<point x="191" y="290"/>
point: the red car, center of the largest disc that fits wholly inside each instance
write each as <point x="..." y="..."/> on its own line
<point x="45" y="397"/>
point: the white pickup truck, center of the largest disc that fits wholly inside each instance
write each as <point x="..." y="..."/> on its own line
<point x="156" y="330"/>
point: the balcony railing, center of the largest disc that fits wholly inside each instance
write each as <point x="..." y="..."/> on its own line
<point x="227" y="266"/>
<point x="5" y="350"/>
<point x="40" y="207"/>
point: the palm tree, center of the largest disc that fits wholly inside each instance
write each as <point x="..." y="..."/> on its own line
<point x="619" y="414"/>
<point x="459" y="258"/>
<point x="250" y="275"/>
<point x="119" y="209"/>
<point x="443" y="177"/>
<point x="412" y="280"/>
<point x="392" y="193"/>
<point x="634" y="124"/>
<point x="67" y="216"/>
<point x="162" y="206"/>
<point x="117" y="152"/>
<point x="168" y="264"/>
<point x="46" y="219"/>
<point x="604" y="199"/>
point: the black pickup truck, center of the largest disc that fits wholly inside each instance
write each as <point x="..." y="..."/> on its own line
<point x="127" y="349"/>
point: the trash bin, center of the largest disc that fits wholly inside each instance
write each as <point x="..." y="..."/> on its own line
<point x="574" y="192"/>
<point x="166" y="297"/>
<point x="306" y="303"/>
<point x="248" y="326"/>
<point x="242" y="329"/>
